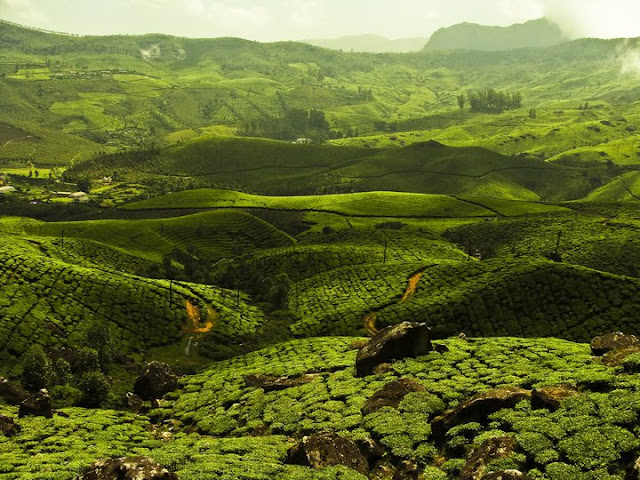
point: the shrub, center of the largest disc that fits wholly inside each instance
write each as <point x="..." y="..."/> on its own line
<point x="94" y="387"/>
<point x="36" y="369"/>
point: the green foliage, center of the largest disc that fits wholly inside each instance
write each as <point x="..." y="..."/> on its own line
<point x="492" y="101"/>
<point x="94" y="387"/>
<point x="36" y="369"/>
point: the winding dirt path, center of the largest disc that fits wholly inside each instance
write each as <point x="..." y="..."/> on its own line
<point x="370" y="318"/>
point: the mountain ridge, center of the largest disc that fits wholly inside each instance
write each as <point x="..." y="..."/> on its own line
<point x="538" y="33"/>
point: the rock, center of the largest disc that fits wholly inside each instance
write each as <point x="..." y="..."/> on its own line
<point x="129" y="468"/>
<point x="441" y="348"/>
<point x="327" y="449"/>
<point x="10" y="393"/>
<point x="616" y="357"/>
<point x="393" y="343"/>
<point x="552" y="397"/>
<point x="506" y="475"/>
<point x="371" y="450"/>
<point x="477" y="408"/>
<point x="462" y="336"/>
<point x="135" y="403"/>
<point x="407" y="470"/>
<point x="633" y="471"/>
<point x="491" y="449"/>
<point x="269" y="383"/>
<point x="39" y="405"/>
<point x="8" y="426"/>
<point x="156" y="380"/>
<point x="391" y="395"/>
<point x="613" y="341"/>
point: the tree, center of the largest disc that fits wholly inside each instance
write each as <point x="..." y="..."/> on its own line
<point x="462" y="101"/>
<point x="84" y="185"/>
<point x="36" y="369"/>
<point x="94" y="387"/>
<point x="99" y="338"/>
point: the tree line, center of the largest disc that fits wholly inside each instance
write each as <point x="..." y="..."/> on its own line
<point x="490" y="101"/>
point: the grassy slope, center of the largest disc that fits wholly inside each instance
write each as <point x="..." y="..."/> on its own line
<point x="376" y="204"/>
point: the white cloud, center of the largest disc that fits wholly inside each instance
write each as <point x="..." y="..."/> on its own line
<point x="22" y="11"/>
<point x="596" y="18"/>
<point x="629" y="58"/>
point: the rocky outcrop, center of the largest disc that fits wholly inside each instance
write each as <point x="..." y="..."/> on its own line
<point x="613" y="341"/>
<point x="491" y="449"/>
<point x="393" y="343"/>
<point x="392" y="394"/>
<point x="270" y="383"/>
<point x="10" y="393"/>
<point x="8" y="426"/>
<point x="327" y="449"/>
<point x="478" y="408"/>
<point x="156" y="380"/>
<point x="38" y="405"/>
<point x="130" y="468"/>
<point x="552" y="397"/>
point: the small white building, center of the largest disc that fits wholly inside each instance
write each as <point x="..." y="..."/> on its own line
<point x="79" y="196"/>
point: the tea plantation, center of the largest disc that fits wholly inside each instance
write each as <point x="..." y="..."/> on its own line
<point x="211" y="422"/>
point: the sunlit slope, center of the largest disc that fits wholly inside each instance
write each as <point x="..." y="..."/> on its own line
<point x="212" y="235"/>
<point x="372" y="204"/>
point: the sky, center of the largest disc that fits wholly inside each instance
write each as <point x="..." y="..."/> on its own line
<point x="272" y="20"/>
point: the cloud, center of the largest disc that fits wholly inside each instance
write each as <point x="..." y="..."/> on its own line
<point x="595" y="18"/>
<point x="22" y="11"/>
<point x="629" y="58"/>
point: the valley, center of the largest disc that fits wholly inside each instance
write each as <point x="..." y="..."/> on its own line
<point x="203" y="240"/>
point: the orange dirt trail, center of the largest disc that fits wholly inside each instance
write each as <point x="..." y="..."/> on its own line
<point x="370" y="318"/>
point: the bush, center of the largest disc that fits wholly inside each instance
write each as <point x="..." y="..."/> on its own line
<point x="36" y="369"/>
<point x="86" y="360"/>
<point x="95" y="388"/>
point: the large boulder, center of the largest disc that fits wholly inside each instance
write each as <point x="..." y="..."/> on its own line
<point x="552" y="397"/>
<point x="8" y="426"/>
<point x="270" y="383"/>
<point x="327" y="449"/>
<point x="613" y="341"/>
<point x="478" y="408"/>
<point x="156" y="380"/>
<point x="38" y="405"/>
<point x="491" y="449"/>
<point x="130" y="468"/>
<point x="392" y="394"/>
<point x="393" y="343"/>
<point x="10" y="393"/>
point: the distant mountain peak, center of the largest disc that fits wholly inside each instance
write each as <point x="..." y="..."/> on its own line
<point x="538" y="33"/>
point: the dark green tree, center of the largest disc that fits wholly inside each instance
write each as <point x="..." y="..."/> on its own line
<point x="36" y="369"/>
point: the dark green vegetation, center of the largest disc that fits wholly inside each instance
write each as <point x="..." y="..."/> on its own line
<point x="490" y="193"/>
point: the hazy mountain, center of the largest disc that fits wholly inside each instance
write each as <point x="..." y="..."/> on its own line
<point x="370" y="43"/>
<point x="471" y="36"/>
